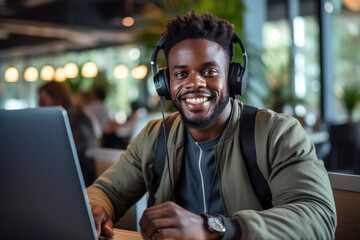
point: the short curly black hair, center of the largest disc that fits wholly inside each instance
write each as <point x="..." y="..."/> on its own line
<point x="194" y="26"/>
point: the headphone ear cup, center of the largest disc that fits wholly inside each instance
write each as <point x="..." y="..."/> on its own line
<point x="237" y="80"/>
<point x="161" y="82"/>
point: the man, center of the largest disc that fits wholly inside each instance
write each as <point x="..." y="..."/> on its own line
<point x="205" y="132"/>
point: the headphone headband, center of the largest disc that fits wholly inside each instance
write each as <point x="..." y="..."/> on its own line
<point x="159" y="45"/>
<point x="236" y="39"/>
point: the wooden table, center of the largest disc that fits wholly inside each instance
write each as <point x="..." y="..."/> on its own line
<point x="346" y="189"/>
<point x="120" y="234"/>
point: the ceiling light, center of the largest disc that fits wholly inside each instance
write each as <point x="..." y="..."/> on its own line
<point x="60" y="74"/>
<point x="139" y="72"/>
<point x="128" y="21"/>
<point x="274" y="34"/>
<point x="11" y="74"/>
<point x="134" y="53"/>
<point x="353" y="5"/>
<point x="89" y="70"/>
<point x="31" y="74"/>
<point x="120" y="71"/>
<point x="47" y="73"/>
<point x="71" y="70"/>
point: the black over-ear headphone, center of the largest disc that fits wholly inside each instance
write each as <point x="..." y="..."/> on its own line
<point x="237" y="76"/>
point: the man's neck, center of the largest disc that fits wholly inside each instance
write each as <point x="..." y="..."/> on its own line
<point x="205" y="134"/>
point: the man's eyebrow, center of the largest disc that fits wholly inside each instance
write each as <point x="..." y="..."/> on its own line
<point x="209" y="64"/>
<point x="179" y="67"/>
<point x="212" y="63"/>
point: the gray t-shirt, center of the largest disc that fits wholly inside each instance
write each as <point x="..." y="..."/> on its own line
<point x="197" y="172"/>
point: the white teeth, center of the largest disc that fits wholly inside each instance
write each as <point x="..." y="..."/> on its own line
<point x="196" y="100"/>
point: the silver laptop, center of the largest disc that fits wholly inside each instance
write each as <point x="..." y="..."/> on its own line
<point x="41" y="187"/>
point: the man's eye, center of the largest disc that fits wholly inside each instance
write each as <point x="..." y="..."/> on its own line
<point x="181" y="74"/>
<point x="209" y="72"/>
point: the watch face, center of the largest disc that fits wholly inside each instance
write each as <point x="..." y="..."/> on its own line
<point x="216" y="224"/>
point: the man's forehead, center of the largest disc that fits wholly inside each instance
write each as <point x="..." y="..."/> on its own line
<point x="195" y="41"/>
<point x="200" y="47"/>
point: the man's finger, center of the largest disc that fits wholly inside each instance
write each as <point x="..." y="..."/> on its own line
<point x="100" y="217"/>
<point x="107" y="229"/>
<point x="98" y="223"/>
<point x="144" y="236"/>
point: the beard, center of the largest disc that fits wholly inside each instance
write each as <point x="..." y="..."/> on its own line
<point x="218" y="108"/>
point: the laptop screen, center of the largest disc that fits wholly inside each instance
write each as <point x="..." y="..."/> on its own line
<point x="41" y="187"/>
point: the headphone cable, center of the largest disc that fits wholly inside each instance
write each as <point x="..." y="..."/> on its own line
<point x="172" y="197"/>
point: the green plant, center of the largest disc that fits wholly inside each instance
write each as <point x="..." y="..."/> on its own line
<point x="351" y="98"/>
<point x="280" y="92"/>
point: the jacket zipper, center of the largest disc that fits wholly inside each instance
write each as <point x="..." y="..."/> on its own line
<point x="202" y="178"/>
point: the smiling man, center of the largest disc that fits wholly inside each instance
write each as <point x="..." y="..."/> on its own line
<point x="205" y="191"/>
<point x="198" y="73"/>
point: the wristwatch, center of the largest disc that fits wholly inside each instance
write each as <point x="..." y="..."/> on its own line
<point x="214" y="224"/>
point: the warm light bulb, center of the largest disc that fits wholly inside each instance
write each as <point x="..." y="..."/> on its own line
<point x="128" y="21"/>
<point x="121" y="71"/>
<point x="31" y="74"/>
<point x="89" y="70"/>
<point x="139" y="72"/>
<point x="71" y="70"/>
<point x="47" y="73"/>
<point x="60" y="74"/>
<point x="11" y="74"/>
<point x="353" y="5"/>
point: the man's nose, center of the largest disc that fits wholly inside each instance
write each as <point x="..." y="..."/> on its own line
<point x="195" y="81"/>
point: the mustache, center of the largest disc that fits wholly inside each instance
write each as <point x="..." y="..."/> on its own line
<point x="201" y="91"/>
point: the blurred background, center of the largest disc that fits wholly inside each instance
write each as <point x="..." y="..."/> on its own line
<point x="304" y="60"/>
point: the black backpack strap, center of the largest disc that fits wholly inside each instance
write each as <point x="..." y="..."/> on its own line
<point x="248" y="150"/>
<point x="157" y="169"/>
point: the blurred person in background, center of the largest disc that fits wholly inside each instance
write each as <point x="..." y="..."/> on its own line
<point x="96" y="106"/>
<point x="59" y="94"/>
<point x="126" y="130"/>
<point x="82" y="99"/>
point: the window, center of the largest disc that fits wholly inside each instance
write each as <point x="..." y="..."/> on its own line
<point x="292" y="60"/>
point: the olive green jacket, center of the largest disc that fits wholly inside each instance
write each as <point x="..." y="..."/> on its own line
<point x="304" y="207"/>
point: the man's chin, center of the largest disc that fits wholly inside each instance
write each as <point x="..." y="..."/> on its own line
<point x="197" y="123"/>
<point x="201" y="122"/>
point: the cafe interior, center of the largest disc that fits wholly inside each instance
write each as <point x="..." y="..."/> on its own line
<point x="304" y="61"/>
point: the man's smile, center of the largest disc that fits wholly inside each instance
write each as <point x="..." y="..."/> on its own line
<point x="196" y="100"/>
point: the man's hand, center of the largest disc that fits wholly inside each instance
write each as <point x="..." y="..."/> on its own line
<point x="170" y="221"/>
<point x="103" y="224"/>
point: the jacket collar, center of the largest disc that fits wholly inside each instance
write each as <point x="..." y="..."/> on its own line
<point x="237" y="105"/>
